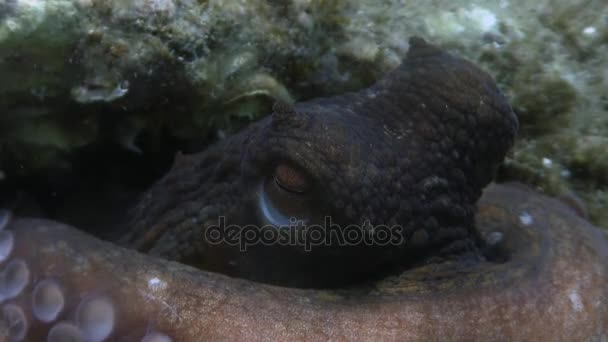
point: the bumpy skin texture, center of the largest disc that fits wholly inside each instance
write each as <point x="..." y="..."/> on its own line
<point x="436" y="127"/>
<point x="553" y="288"/>
<point x="415" y="150"/>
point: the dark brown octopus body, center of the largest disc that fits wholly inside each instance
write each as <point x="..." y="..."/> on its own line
<point x="412" y="153"/>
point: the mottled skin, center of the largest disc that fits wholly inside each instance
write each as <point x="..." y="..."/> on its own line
<point x="553" y="288"/>
<point x="415" y="149"/>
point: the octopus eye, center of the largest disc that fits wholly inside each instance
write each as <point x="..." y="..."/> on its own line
<point x="285" y="196"/>
<point x="291" y="179"/>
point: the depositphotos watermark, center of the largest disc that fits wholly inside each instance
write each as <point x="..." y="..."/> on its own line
<point x="299" y="234"/>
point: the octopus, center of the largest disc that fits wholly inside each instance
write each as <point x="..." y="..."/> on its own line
<point x="442" y="253"/>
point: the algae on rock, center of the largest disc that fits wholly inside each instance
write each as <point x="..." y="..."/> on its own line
<point x="82" y="72"/>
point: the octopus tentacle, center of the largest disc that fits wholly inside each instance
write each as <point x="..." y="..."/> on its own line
<point x="58" y="283"/>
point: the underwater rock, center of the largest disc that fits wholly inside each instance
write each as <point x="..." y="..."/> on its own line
<point x="140" y="73"/>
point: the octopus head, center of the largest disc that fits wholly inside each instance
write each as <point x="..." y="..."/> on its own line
<point x="341" y="189"/>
